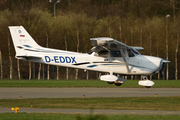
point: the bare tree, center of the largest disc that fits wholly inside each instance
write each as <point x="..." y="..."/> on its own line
<point x="131" y="45"/>
<point x="10" y="60"/>
<point x="87" y="75"/>
<point x="39" y="72"/>
<point x="110" y="34"/>
<point x="141" y="34"/>
<point x="173" y="8"/>
<point x="48" y="72"/>
<point x="47" y="44"/>
<point x="157" y="50"/>
<point x="76" y="74"/>
<point x="30" y="73"/>
<point x="176" y="55"/>
<point x="67" y="76"/>
<point x="167" y="47"/>
<point x="120" y="29"/>
<point x="57" y="72"/>
<point x="19" y="74"/>
<point x="1" y="65"/>
<point x="150" y="47"/>
<point x="87" y="72"/>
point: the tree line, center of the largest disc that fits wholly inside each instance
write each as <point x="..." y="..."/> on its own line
<point x="152" y="24"/>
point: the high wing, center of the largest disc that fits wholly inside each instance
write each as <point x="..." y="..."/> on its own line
<point x="138" y="48"/>
<point x="108" y="44"/>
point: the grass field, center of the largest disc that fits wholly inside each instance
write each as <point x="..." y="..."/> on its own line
<point x="84" y="83"/>
<point x="123" y="103"/>
<point x="58" y="116"/>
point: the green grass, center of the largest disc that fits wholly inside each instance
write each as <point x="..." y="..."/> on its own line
<point x="122" y="103"/>
<point x="58" y="116"/>
<point x="84" y="83"/>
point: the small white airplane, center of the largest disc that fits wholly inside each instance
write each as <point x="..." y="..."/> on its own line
<point x="107" y="55"/>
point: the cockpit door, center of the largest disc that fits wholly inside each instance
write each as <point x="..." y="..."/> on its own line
<point x="134" y="61"/>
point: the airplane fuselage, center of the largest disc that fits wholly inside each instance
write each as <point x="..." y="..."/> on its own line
<point x="138" y="65"/>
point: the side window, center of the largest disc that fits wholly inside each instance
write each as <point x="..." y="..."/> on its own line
<point x="130" y="53"/>
<point x="103" y="53"/>
<point x="116" y="53"/>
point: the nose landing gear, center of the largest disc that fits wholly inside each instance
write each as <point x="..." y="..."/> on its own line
<point x="146" y="82"/>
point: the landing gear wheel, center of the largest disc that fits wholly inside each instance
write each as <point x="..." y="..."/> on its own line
<point x="118" y="84"/>
<point x="146" y="82"/>
<point x="148" y="86"/>
<point x="110" y="82"/>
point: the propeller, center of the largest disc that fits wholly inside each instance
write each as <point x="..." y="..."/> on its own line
<point x="163" y="64"/>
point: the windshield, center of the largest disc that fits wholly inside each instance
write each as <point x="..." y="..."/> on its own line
<point x="132" y="52"/>
<point x="135" y="52"/>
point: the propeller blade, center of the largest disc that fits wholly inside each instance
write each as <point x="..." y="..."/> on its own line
<point x="163" y="64"/>
<point x="163" y="68"/>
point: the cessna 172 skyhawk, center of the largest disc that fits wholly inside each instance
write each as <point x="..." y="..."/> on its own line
<point x="107" y="55"/>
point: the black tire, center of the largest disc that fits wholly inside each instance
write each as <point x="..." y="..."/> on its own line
<point x="110" y="82"/>
<point x="118" y="84"/>
<point x="148" y="86"/>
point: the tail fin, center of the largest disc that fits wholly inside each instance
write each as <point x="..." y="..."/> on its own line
<point x="22" y="40"/>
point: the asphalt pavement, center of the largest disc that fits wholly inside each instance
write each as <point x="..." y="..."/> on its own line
<point x="25" y="93"/>
<point x="92" y="112"/>
<point x="16" y="92"/>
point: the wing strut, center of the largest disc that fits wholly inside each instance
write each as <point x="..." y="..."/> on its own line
<point x="127" y="67"/>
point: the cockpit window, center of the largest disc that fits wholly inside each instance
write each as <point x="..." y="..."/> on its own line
<point x="130" y="53"/>
<point x="103" y="53"/>
<point x="115" y="53"/>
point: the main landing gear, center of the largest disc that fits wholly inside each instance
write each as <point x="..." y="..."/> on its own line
<point x="146" y="82"/>
<point x="117" y="83"/>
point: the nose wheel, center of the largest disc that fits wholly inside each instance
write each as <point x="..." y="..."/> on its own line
<point x="148" y="86"/>
<point x="110" y="82"/>
<point x="118" y="84"/>
<point x="146" y="82"/>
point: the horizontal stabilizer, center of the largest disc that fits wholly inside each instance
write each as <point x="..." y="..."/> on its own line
<point x="30" y="56"/>
<point x="34" y="56"/>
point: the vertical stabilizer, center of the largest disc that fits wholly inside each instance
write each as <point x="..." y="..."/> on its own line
<point x="21" y="40"/>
